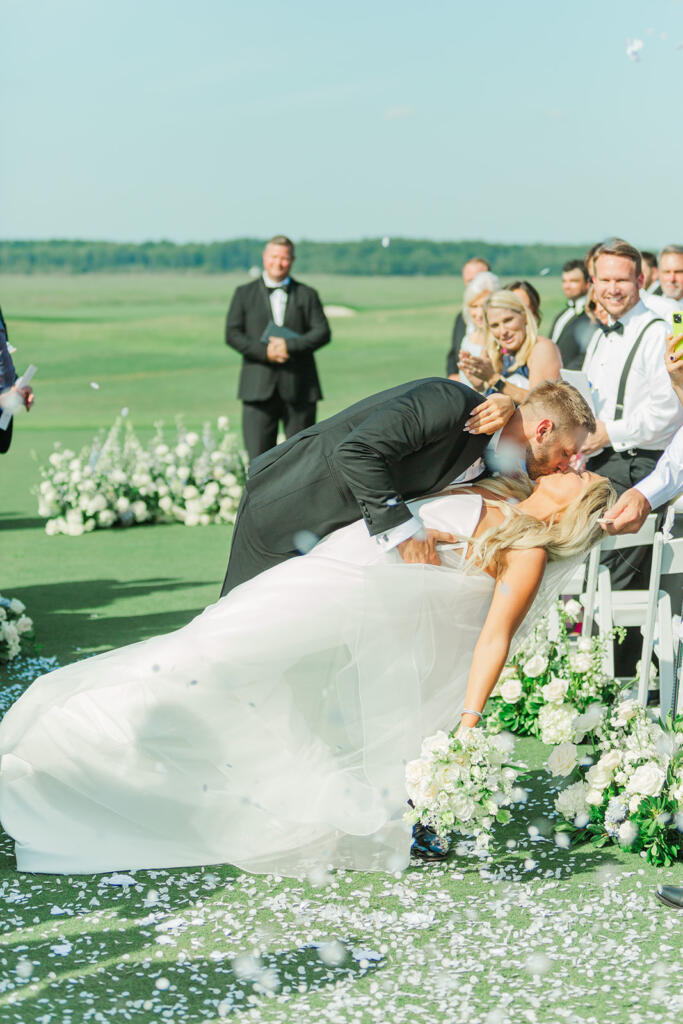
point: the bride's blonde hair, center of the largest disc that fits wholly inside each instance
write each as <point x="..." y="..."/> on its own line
<point x="571" y="531"/>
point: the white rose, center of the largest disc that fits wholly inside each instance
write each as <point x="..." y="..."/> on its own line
<point x="511" y="690"/>
<point x="24" y="625"/>
<point x="535" y="666"/>
<point x="106" y="517"/>
<point x="436" y="744"/>
<point x="89" y="525"/>
<point x="223" y="423"/>
<point x="139" y="511"/>
<point x="554" y="691"/>
<point x="585" y="644"/>
<point x="462" y="805"/>
<point x="8" y="631"/>
<point x="183" y="450"/>
<point x="562" y="760"/>
<point x="165" y="503"/>
<point x="190" y="492"/>
<point x="51" y="528"/>
<point x="122" y="505"/>
<point x="17" y="606"/>
<point x="416" y="778"/>
<point x="3" y="613"/>
<point x="572" y="610"/>
<point x="625" y="712"/>
<point x="593" y="797"/>
<point x="75" y="529"/>
<point x="598" y="777"/>
<point x="191" y="519"/>
<point x="588" y="721"/>
<point x="581" y="662"/>
<point x="647" y="780"/>
<point x="611" y="760"/>
<point x="161" y="449"/>
<point x="204" y="520"/>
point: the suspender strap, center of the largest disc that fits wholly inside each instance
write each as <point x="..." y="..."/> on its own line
<point x="619" y="410"/>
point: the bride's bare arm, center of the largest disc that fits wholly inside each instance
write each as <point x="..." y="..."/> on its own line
<point x="516" y="587"/>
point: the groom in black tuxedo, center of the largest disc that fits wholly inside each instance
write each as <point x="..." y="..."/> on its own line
<point x="397" y="445"/>
<point x="276" y="323"/>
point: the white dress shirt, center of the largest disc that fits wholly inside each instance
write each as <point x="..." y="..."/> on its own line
<point x="666" y="479"/>
<point x="661" y="305"/>
<point x="397" y="534"/>
<point x="652" y="413"/>
<point x="278" y="298"/>
<point x="574" y="308"/>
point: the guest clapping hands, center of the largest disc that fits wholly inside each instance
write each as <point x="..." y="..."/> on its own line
<point x="516" y="357"/>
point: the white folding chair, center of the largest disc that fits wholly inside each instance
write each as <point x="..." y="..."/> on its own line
<point x="665" y="628"/>
<point x="623" y="607"/>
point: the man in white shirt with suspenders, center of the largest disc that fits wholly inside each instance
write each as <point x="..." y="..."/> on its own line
<point x="636" y="408"/>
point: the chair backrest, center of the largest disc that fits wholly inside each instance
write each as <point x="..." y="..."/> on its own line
<point x="672" y="557"/>
<point x="645" y="535"/>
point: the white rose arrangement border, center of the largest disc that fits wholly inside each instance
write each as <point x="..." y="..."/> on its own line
<point x="196" y="479"/>
<point x="16" y="628"/>
<point x="629" y="789"/>
<point x="552" y="681"/>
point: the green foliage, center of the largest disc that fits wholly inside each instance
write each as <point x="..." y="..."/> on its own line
<point x="404" y="256"/>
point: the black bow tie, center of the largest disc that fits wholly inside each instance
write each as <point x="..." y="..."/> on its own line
<point x="278" y="288"/>
<point x="616" y="326"/>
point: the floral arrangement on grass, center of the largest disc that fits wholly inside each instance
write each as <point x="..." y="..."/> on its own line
<point x="552" y="680"/>
<point x="15" y="627"/>
<point x="463" y="783"/>
<point x="630" y="791"/>
<point x="117" y="481"/>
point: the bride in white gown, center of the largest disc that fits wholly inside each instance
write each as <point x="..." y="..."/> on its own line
<point x="273" y="730"/>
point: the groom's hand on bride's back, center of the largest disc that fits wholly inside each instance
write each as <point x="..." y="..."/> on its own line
<point x="422" y="549"/>
<point x="491" y="415"/>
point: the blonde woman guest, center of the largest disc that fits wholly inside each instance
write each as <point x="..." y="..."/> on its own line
<point x="476" y="294"/>
<point x="516" y="357"/>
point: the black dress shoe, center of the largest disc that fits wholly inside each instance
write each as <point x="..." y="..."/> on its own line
<point x="427" y="845"/>
<point x="671" y="896"/>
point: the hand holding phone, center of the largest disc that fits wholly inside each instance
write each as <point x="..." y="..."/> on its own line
<point x="677" y="321"/>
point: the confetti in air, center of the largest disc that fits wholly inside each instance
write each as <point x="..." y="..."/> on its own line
<point x="544" y="272"/>
<point x="94" y="385"/>
<point x="633" y="48"/>
<point x="304" y="541"/>
<point x="386" y="242"/>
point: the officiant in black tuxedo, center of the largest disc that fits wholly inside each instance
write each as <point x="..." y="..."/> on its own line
<point x="276" y="324"/>
<point x="400" y="444"/>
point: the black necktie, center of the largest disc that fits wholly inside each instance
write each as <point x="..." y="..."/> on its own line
<point x="616" y="326"/>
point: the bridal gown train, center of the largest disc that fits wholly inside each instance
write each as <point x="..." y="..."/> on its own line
<point x="271" y="732"/>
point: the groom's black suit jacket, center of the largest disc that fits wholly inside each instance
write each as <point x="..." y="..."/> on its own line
<point x="296" y="381"/>
<point x="366" y="461"/>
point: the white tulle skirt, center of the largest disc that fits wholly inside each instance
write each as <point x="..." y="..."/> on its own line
<point x="271" y="732"/>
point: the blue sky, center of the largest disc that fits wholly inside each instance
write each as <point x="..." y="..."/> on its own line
<point x="147" y="119"/>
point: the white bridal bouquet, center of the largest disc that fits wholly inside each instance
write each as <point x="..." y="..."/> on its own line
<point x="552" y="679"/>
<point x="630" y="791"/>
<point x="195" y="479"/>
<point x="15" y="627"/>
<point x="463" y="783"/>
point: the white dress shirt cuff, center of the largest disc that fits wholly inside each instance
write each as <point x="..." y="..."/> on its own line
<point x="397" y="534"/>
<point x="657" y="488"/>
<point x="617" y="431"/>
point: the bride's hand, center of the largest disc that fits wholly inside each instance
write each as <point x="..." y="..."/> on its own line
<point x="422" y="548"/>
<point x="491" y="415"/>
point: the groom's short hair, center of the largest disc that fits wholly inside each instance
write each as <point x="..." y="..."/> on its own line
<point x="563" y="404"/>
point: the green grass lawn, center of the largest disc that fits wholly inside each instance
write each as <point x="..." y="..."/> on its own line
<point x="537" y="934"/>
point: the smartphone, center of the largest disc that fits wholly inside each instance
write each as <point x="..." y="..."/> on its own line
<point x="677" y="320"/>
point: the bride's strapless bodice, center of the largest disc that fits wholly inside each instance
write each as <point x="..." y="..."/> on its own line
<point x="449" y="513"/>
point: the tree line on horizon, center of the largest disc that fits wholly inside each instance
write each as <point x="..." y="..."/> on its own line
<point x="368" y="256"/>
